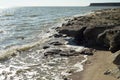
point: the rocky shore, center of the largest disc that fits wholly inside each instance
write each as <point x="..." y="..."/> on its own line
<point x="99" y="30"/>
<point x="92" y="41"/>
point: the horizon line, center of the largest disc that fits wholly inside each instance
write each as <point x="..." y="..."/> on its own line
<point x="43" y="6"/>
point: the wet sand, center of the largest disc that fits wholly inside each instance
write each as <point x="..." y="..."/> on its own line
<point x="95" y="67"/>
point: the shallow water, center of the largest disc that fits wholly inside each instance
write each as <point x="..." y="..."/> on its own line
<point x="23" y="31"/>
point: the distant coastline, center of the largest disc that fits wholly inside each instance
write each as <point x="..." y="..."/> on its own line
<point x="105" y="4"/>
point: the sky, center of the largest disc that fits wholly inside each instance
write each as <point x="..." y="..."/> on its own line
<point x="18" y="3"/>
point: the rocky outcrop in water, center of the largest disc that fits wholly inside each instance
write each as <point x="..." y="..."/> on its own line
<point x="101" y="28"/>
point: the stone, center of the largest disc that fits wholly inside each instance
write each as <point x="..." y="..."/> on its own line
<point x="56" y="43"/>
<point x="45" y="47"/>
<point x="87" y="51"/>
<point x="65" y="78"/>
<point x="52" y="52"/>
<point x="69" y="53"/>
<point x="66" y="54"/>
<point x="57" y="35"/>
<point x="107" y="72"/>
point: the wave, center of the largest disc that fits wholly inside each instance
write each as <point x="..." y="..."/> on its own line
<point x="12" y="51"/>
<point x="8" y="15"/>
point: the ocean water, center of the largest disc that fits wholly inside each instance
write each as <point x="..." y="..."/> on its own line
<point x="24" y="27"/>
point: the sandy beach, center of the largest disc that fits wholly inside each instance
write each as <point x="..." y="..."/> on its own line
<point x="95" y="67"/>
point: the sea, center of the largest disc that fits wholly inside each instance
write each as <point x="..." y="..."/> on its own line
<point x="25" y="27"/>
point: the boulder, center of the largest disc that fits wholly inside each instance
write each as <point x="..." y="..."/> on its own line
<point x="91" y="33"/>
<point x="111" y="38"/>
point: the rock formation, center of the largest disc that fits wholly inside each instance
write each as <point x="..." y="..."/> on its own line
<point x="101" y="28"/>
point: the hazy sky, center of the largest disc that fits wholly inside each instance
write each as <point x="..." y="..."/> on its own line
<point x="14" y="3"/>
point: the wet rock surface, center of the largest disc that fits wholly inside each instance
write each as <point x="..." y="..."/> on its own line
<point x="56" y="43"/>
<point x="88" y="51"/>
<point x="45" y="47"/>
<point x="60" y="52"/>
<point x="69" y="53"/>
<point x="58" y="35"/>
<point x="52" y="52"/>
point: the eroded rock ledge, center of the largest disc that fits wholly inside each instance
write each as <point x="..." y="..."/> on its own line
<point x="101" y="28"/>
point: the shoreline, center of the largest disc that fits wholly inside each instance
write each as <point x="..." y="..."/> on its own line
<point x="68" y="53"/>
<point x="13" y="50"/>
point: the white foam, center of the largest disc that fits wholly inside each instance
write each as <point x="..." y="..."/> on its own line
<point x="79" y="64"/>
<point x="65" y="73"/>
<point x="7" y="53"/>
<point x="76" y="48"/>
